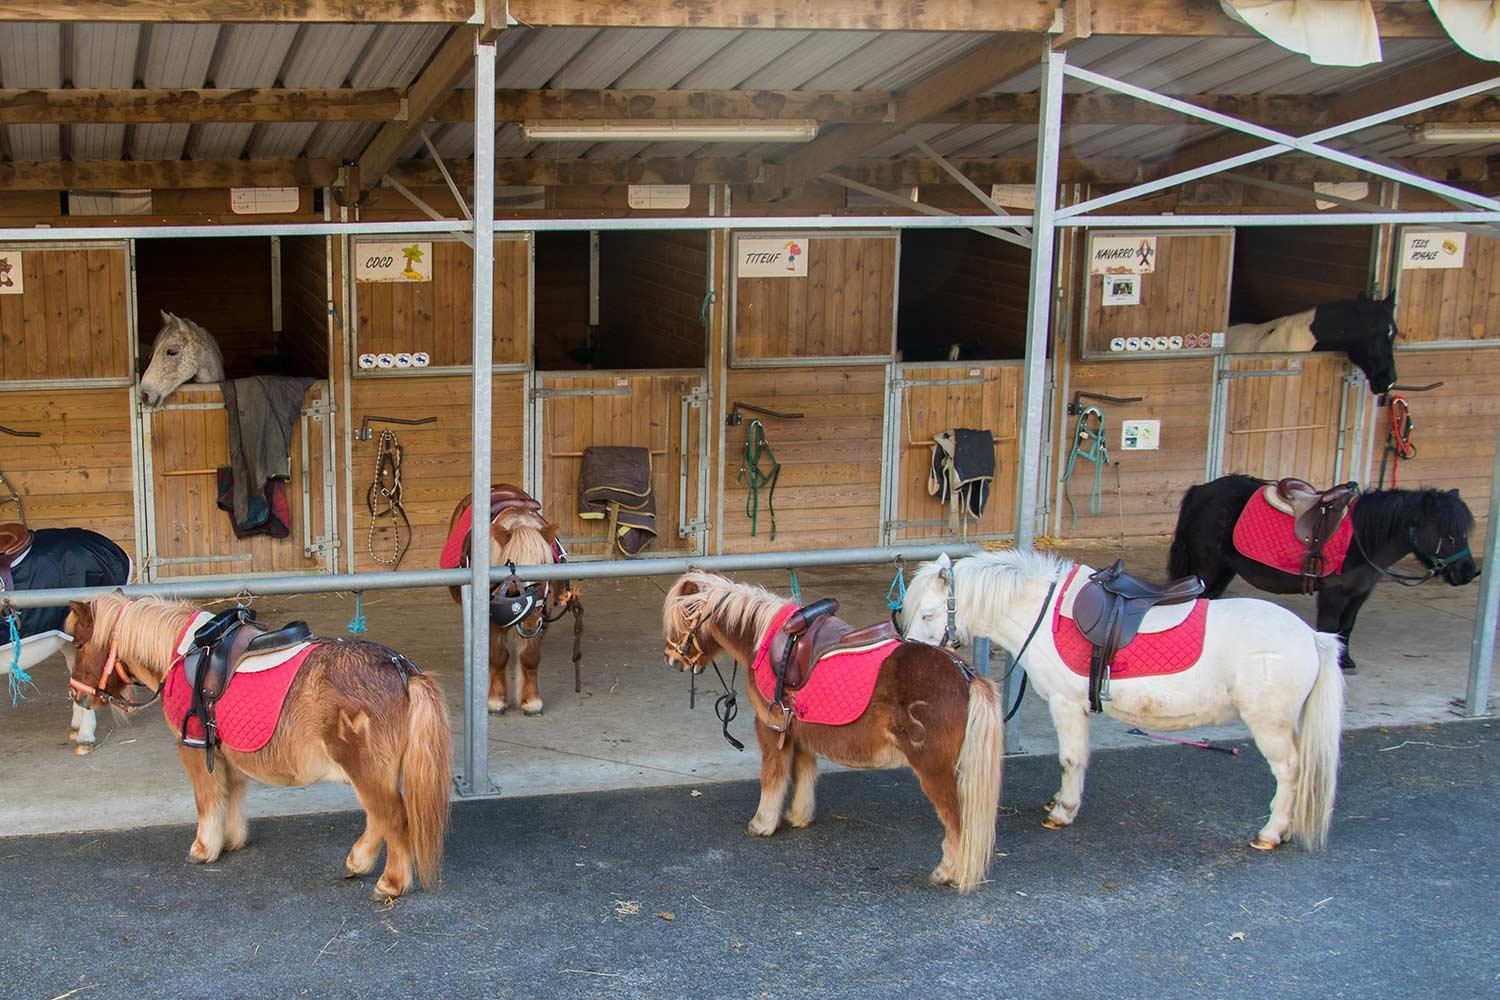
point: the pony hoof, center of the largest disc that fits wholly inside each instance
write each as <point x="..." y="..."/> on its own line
<point x="1262" y="844"/>
<point x="532" y="715"/>
<point x="1349" y="668"/>
<point x="1053" y="824"/>
<point x="82" y="749"/>
<point x="1051" y="805"/>
<point x="497" y="711"/>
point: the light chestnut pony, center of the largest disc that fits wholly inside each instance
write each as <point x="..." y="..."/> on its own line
<point x="348" y="717"/>
<point x="923" y="713"/>
<point x="524" y="538"/>
<point x="183" y="352"/>
<point x="1260" y="662"/>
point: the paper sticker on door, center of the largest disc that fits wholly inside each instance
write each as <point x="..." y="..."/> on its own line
<point x="1122" y="289"/>
<point x="398" y="262"/>
<point x="776" y="257"/>
<point x="1122" y="255"/>
<point x="11" y="279"/>
<point x="1421" y="251"/>
<point x="1140" y="435"/>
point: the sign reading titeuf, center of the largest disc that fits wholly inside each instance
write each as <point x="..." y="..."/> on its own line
<point x="772" y="257"/>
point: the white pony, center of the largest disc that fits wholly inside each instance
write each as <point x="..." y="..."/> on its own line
<point x="1260" y="662"/>
<point x="183" y="352"/>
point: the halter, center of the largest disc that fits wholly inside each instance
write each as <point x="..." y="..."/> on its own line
<point x="950" y="630"/>
<point x="688" y="649"/>
<point x="113" y="665"/>
<point x="1436" y="563"/>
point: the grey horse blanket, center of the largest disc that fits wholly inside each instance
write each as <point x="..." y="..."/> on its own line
<point x="619" y="477"/>
<point x="262" y="410"/>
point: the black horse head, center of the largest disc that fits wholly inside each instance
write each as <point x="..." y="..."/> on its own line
<point x="1439" y="535"/>
<point x="1365" y="330"/>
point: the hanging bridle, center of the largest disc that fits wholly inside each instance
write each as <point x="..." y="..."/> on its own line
<point x="950" y="629"/>
<point x="688" y="649"/>
<point x="113" y="666"/>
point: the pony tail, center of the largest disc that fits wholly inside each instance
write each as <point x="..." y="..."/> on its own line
<point x="1319" y="731"/>
<point x="426" y="776"/>
<point x="981" y="764"/>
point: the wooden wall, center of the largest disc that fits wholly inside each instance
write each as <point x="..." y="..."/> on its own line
<point x="562" y="299"/>
<point x="646" y="413"/>
<point x="1144" y="499"/>
<point x="991" y="403"/>
<point x="71" y="320"/>
<point x="304" y="304"/>
<point x="843" y="308"/>
<point x="78" y="473"/>
<point x="651" y="289"/>
<point x="965" y="287"/>
<point x="437" y="457"/>
<point x="1279" y="426"/>
<point x="1187" y="294"/>
<point x="1280" y="271"/>
<point x="437" y="316"/>
<point x="224" y="285"/>
<point x="1451" y="303"/>
<point x="829" y="492"/>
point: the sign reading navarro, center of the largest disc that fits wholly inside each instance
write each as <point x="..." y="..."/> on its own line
<point x="1122" y="255"/>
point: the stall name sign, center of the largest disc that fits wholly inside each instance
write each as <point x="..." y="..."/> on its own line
<point x="1123" y="255"/>
<point x="10" y="273"/>
<point x="776" y="257"/>
<point x="1432" y="250"/>
<point x="398" y="262"/>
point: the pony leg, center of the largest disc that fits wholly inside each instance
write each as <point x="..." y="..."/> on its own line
<point x="236" y="826"/>
<point x="82" y="730"/>
<point x="1337" y="612"/>
<point x="385" y="814"/>
<point x="1071" y="720"/>
<point x="804" y="786"/>
<point x="938" y="776"/>
<point x="775" y="775"/>
<point x="531" y="659"/>
<point x="499" y="672"/>
<point x="1279" y="747"/>
<point x="366" y="850"/>
<point x="211" y="797"/>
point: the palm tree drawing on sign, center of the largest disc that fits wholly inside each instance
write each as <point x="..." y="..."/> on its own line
<point x="413" y="255"/>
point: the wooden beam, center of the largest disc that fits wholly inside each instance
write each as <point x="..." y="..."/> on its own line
<point x="223" y="11"/>
<point x="126" y="106"/>
<point x="446" y="70"/>
<point x="590" y="172"/>
<point x="113" y="175"/>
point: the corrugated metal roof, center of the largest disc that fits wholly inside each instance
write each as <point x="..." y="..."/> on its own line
<point x="327" y="55"/>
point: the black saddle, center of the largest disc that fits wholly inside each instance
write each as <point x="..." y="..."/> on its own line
<point x="1109" y="611"/>
<point x="209" y="665"/>
<point x="811" y="633"/>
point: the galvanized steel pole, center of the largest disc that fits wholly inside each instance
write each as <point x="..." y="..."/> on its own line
<point x="476" y="756"/>
<point x="1482" y="650"/>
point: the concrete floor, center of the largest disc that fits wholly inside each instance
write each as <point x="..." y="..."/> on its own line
<point x="630" y="727"/>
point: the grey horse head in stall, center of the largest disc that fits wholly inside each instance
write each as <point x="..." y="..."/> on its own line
<point x="184" y="352"/>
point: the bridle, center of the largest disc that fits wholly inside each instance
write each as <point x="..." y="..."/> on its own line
<point x="1436" y="562"/>
<point x="688" y="650"/>
<point x="113" y="666"/>
<point x="950" y="638"/>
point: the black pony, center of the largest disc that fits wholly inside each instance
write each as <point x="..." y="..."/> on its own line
<point x="1431" y="525"/>
<point x="1362" y="328"/>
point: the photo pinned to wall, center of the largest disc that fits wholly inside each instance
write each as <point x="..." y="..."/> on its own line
<point x="1140" y="435"/>
<point x="1122" y="289"/>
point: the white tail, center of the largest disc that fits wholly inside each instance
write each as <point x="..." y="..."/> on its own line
<point x="980" y="766"/>
<point x="1319" y="731"/>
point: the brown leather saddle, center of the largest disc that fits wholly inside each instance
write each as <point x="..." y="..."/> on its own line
<point x="1109" y="609"/>
<point x="809" y="635"/>
<point x="1316" y="516"/>
<point x="15" y="539"/>
<point x="219" y="645"/>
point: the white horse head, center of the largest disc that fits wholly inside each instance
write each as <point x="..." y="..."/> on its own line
<point x="925" y="609"/>
<point x="184" y="352"/>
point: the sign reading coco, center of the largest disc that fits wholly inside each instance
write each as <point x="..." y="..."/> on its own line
<point x="772" y="257"/>
<point x="1421" y="250"/>
<point x="1122" y="255"/>
<point x="398" y="262"/>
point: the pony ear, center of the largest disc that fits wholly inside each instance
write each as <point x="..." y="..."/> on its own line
<point x="945" y="567"/>
<point x="81" y="611"/>
<point x="166" y="317"/>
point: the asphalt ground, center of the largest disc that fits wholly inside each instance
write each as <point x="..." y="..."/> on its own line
<point x="660" y="893"/>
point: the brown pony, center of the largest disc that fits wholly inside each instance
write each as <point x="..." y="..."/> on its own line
<point x="353" y="714"/>
<point x="522" y="537"/>
<point x="926" y="712"/>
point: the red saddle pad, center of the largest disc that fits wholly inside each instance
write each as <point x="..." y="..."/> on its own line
<point x="248" y="711"/>
<point x="840" y="688"/>
<point x="1269" y="537"/>
<point x="1149" y="654"/>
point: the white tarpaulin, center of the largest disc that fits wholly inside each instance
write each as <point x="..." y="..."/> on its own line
<point x="1328" y="32"/>
<point x="1474" y="25"/>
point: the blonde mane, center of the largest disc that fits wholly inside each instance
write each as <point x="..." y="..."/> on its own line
<point x="985" y="584"/>
<point x="528" y="544"/>
<point x="146" y="629"/>
<point x="732" y="607"/>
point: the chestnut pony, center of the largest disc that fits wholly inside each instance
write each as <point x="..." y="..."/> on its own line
<point x="352" y="714"/>
<point x="926" y="712"/>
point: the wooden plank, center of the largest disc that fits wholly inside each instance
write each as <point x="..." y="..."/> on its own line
<point x="34" y="175"/>
<point x="233" y="11"/>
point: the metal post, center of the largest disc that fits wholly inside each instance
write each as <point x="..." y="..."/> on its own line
<point x="1482" y="652"/>
<point x="476" y="764"/>
<point x="1039" y="308"/>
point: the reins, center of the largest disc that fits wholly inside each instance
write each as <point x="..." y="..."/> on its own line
<point x="386" y="487"/>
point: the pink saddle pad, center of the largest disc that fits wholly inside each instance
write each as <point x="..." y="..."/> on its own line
<point x="248" y="711"/>
<point x="1149" y="654"/>
<point x="1269" y="537"/>
<point x="839" y="690"/>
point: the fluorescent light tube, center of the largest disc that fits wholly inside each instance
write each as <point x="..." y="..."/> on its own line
<point x="1436" y="132"/>
<point x="669" y="131"/>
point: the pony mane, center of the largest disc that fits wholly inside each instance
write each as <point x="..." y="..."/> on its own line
<point x="528" y="544"/>
<point x="745" y="606"/>
<point x="145" y="628"/>
<point x="1383" y="514"/>
<point x="986" y="583"/>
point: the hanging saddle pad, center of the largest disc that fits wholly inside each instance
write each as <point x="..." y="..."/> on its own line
<point x="841" y="684"/>
<point x="250" y="708"/>
<point x="1266" y="533"/>
<point x="1170" y="639"/>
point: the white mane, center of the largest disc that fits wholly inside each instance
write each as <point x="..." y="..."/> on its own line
<point x="987" y="583"/>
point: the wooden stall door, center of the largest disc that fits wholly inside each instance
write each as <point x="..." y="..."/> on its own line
<point x="69" y="319"/>
<point x="663" y="412"/>
<point x="931" y="400"/>
<point x="187" y="535"/>
<point x="1281" y="416"/>
<point x="1186" y="296"/>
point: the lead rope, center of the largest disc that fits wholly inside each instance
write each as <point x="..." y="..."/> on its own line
<point x="386" y="485"/>
<point x="757" y="476"/>
<point x="358" y="625"/>
<point x="1097" y="453"/>
<point x="726" y="706"/>
<point x="18" y="677"/>
<point x="1398" y="441"/>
